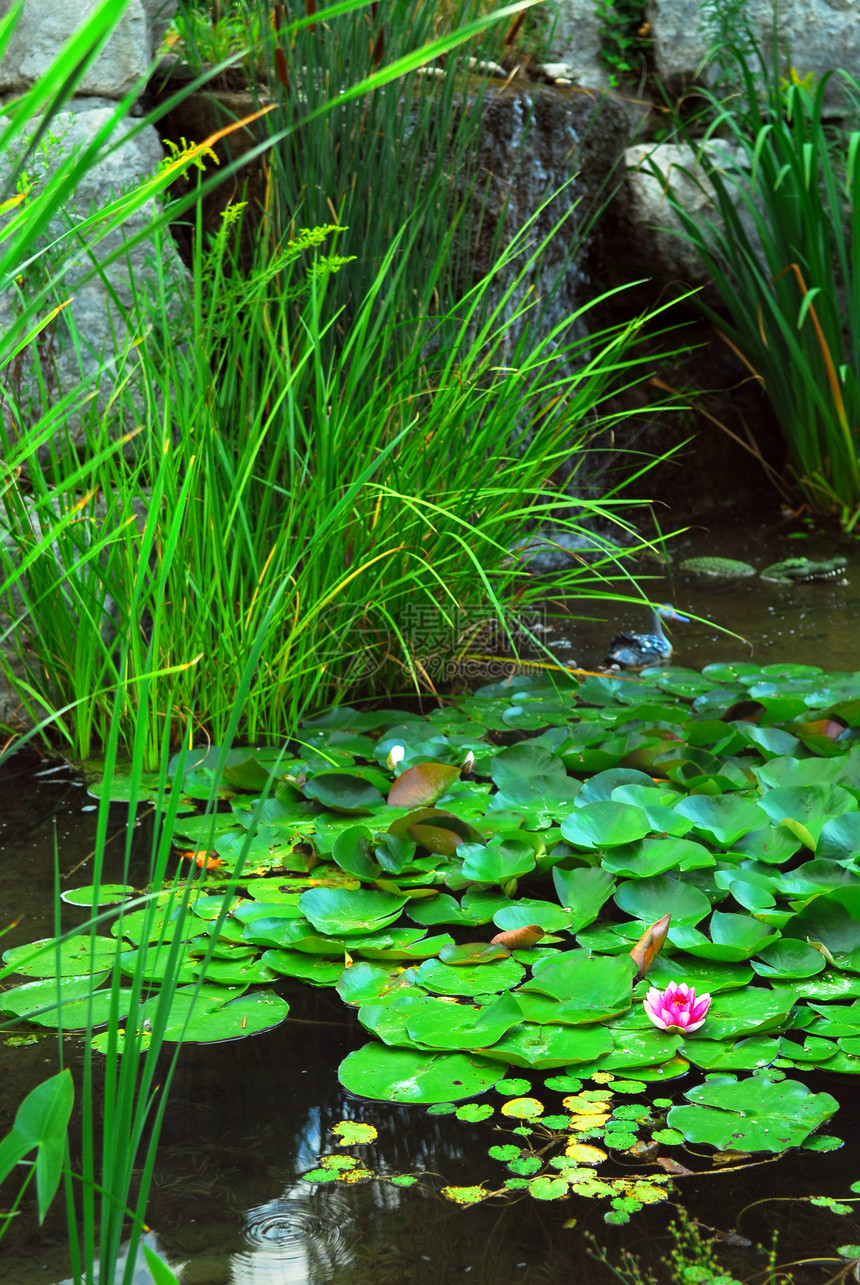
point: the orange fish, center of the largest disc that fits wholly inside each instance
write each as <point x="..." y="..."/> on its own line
<point x="205" y="860"/>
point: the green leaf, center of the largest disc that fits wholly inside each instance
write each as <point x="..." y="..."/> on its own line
<point x="316" y="970"/>
<point x="406" y="1075"/>
<point x="160" y="1272"/>
<point x="758" y="1114"/>
<point x="733" y="938"/>
<point x="41" y="1123"/>
<point x="74" y="1002"/>
<point x="483" y="979"/>
<point x="747" y="1055"/>
<point x="746" y="1012"/>
<point x="343" y="912"/>
<point x="497" y="861"/>
<point x="605" y="824"/>
<point x="812" y="805"/>
<point x="721" y="820"/>
<point x="105" y="894"/>
<point x="343" y="793"/>
<point x="650" y="899"/>
<point x="210" y="1018"/>
<point x="582" y="892"/>
<point x="70" y="958"/>
<point x="596" y="987"/>
<point x="789" y="958"/>
<point x="547" y="1046"/>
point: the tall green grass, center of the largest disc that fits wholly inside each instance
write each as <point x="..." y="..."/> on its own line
<point x="783" y="250"/>
<point x="358" y="494"/>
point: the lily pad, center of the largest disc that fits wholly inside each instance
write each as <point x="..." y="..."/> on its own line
<point x="208" y="1017"/>
<point x="344" y="912"/>
<point x="51" y="958"/>
<point x="406" y="1075"/>
<point x="758" y="1114"/>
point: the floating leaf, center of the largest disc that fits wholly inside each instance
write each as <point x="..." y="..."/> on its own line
<point x="352" y="1133"/>
<point x="758" y="1114"/>
<point x="582" y="892"/>
<point x="465" y="1195"/>
<point x="605" y="824"/>
<point x="421" y="785"/>
<point x="342" y="912"/>
<point x="406" y="1075"/>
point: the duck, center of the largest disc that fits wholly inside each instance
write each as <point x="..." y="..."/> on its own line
<point x="635" y="651"/>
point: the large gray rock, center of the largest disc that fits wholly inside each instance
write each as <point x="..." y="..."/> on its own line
<point x="814" y="35"/>
<point x="657" y="230"/>
<point x="45" y="26"/>
<point x="88" y="340"/>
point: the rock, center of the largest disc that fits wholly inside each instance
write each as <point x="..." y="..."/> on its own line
<point x="814" y="35"/>
<point x="45" y="25"/>
<point x="538" y="140"/>
<point x="94" y="315"/>
<point x="554" y="549"/>
<point x="656" y="227"/>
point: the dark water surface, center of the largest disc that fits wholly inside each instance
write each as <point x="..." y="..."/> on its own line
<point x="247" y="1119"/>
<point x="813" y="624"/>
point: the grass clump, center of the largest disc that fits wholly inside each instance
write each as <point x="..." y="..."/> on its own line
<point x="783" y="250"/>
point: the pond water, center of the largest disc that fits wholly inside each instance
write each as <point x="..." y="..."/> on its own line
<point x="804" y="623"/>
<point x="248" y="1119"/>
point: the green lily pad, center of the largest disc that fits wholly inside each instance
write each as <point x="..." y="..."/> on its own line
<point x="656" y="856"/>
<point x="497" y="861"/>
<point x="527" y="911"/>
<point x="812" y="806"/>
<point x="80" y="1001"/>
<point x="758" y="1114"/>
<point x="598" y="986"/>
<point x="481" y="979"/>
<point x="733" y="938"/>
<point x="747" y="1055"/>
<point x="314" y="969"/>
<point x="650" y="899"/>
<point x="789" y="958"/>
<point x="546" y="1047"/>
<point x="92" y="896"/>
<point x="582" y="892"/>
<point x="343" y="793"/>
<point x="211" y="1018"/>
<point x="746" y="1012"/>
<point x="70" y="958"/>
<point x="406" y="1075"/>
<point x="605" y="824"/>
<point x="344" y="912"/>
<point x="832" y="918"/>
<point x="722" y="819"/>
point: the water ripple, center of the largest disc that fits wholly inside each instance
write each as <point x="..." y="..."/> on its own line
<point x="293" y="1234"/>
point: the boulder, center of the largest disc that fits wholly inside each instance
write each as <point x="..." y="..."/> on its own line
<point x="814" y="35"/>
<point x="45" y="25"/>
<point x="655" y="226"/>
<point x="88" y="339"/>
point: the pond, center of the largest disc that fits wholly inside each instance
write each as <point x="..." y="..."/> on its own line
<point x="809" y="623"/>
<point x="249" y="1119"/>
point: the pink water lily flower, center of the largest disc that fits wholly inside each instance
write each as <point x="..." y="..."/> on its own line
<point x="676" y="1008"/>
